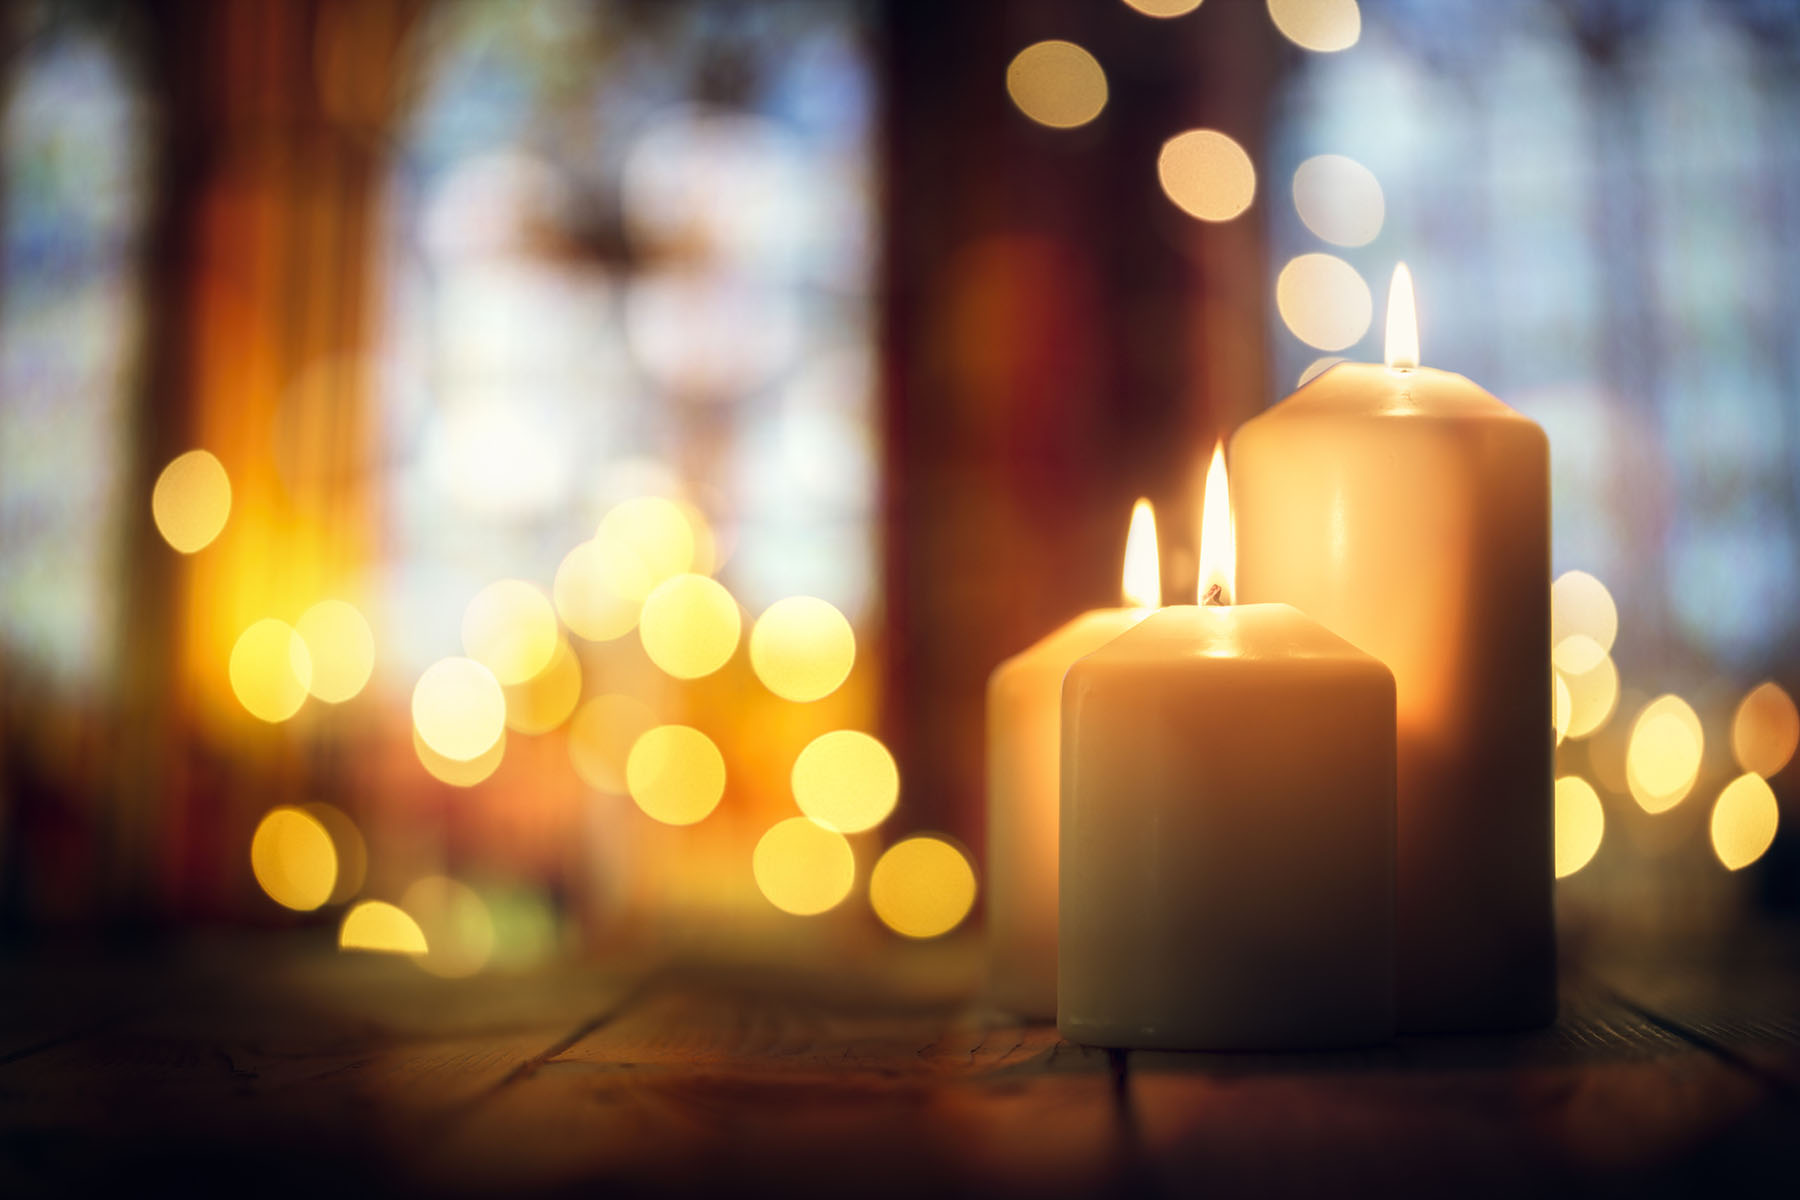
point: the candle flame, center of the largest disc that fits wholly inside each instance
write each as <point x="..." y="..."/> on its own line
<point x="1141" y="583"/>
<point x="1218" y="536"/>
<point x="1402" y="322"/>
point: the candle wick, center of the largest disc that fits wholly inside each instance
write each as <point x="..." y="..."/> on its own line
<point x="1215" y="596"/>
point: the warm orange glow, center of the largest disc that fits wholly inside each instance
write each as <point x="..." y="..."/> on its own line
<point x="1744" y="821"/>
<point x="1141" y="582"/>
<point x="1402" y="322"/>
<point x="1218" y="538"/>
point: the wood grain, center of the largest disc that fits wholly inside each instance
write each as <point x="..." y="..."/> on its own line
<point x="294" y="1066"/>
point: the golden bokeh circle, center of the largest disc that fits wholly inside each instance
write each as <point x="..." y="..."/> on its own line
<point x="510" y="628"/>
<point x="381" y="928"/>
<point x="1744" y="821"/>
<point x="191" y="501"/>
<point x="270" y="670"/>
<point x="846" y="780"/>
<point x="1057" y="83"/>
<point x="1339" y="199"/>
<point x="342" y="649"/>
<point x="1663" y="757"/>
<point x="803" y="868"/>
<point x="1593" y="695"/>
<point x="675" y="774"/>
<point x="293" y="859"/>
<point x="1164" y="8"/>
<point x="459" y="709"/>
<point x="922" y="887"/>
<point x="1580" y="824"/>
<point x="1323" y="301"/>
<point x="599" y="589"/>
<point x="601" y="735"/>
<point x="544" y="702"/>
<point x="659" y="531"/>
<point x="690" y="626"/>
<point x="1322" y="26"/>
<point x="1207" y="174"/>
<point x="802" y="648"/>
<point x="458" y="772"/>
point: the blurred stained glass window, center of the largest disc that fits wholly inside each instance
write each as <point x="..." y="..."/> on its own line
<point x="74" y="129"/>
<point x="632" y="253"/>
<point x="1601" y="205"/>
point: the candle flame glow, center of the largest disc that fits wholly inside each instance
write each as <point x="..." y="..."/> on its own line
<point x="1141" y="583"/>
<point x="1402" y="322"/>
<point x="1218" y="536"/>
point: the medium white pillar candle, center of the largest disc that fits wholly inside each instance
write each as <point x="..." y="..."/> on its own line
<point x="1024" y="722"/>
<point x="1409" y="511"/>
<point x="1227" y="831"/>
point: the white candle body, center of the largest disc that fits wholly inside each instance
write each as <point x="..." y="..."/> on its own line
<point x="1228" y="836"/>
<point x="1409" y="511"/>
<point x="1024" y="729"/>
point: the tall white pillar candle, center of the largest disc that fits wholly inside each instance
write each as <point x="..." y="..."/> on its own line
<point x="1409" y="511"/>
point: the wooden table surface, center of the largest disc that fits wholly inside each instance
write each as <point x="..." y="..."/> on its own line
<point x="278" y="1065"/>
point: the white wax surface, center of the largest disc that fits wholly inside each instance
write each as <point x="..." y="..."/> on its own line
<point x="1227" y="836"/>
<point x="1409" y="512"/>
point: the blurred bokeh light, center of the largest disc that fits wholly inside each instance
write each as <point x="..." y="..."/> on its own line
<point x="922" y="887"/>
<point x="192" y="501"/>
<point x="803" y="868"/>
<point x="1057" y="83"/>
<point x="802" y="648"/>
<point x="1206" y="174"/>
<point x="293" y="858"/>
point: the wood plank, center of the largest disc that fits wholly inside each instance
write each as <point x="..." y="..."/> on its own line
<point x="712" y="1079"/>
<point x="1605" y="1096"/>
<point x="1739" y="999"/>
